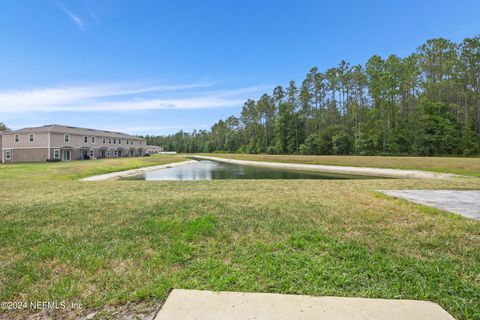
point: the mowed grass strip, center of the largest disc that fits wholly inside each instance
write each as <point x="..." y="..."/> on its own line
<point x="72" y="170"/>
<point x="112" y="242"/>
<point x="462" y="166"/>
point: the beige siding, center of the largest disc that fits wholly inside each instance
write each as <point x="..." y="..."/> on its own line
<point x="77" y="141"/>
<point x="45" y="141"/>
<point x="29" y="155"/>
<point x="76" y="154"/>
<point x="56" y="140"/>
<point x="40" y="140"/>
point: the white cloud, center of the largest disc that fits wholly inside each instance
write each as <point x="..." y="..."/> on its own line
<point x="76" y="19"/>
<point x="121" y="97"/>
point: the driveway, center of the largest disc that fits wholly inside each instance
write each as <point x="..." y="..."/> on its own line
<point x="466" y="203"/>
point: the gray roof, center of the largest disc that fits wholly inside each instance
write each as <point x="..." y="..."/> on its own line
<point x="75" y="130"/>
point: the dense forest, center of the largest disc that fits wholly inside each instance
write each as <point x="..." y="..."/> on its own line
<point x="425" y="104"/>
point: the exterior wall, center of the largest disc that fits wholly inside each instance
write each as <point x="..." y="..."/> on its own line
<point x="40" y="140"/>
<point x="153" y="149"/>
<point x="76" y="154"/>
<point x="24" y="150"/>
<point x="29" y="155"/>
<point x="38" y="150"/>
<point x="57" y="140"/>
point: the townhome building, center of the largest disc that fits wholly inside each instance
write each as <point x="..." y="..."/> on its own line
<point x="64" y="143"/>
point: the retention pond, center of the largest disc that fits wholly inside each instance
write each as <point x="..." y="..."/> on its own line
<point x="213" y="170"/>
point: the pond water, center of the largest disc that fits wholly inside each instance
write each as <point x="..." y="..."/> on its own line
<point x="212" y="170"/>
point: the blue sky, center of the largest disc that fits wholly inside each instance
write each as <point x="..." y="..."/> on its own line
<point x="155" y="67"/>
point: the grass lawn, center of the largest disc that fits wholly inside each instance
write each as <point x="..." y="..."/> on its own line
<point x="462" y="166"/>
<point x="110" y="242"/>
<point x="74" y="170"/>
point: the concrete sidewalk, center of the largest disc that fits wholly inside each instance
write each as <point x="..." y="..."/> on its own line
<point x="466" y="203"/>
<point x="132" y="172"/>
<point x="209" y="305"/>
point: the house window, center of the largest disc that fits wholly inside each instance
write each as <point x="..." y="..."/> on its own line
<point x="85" y="139"/>
<point x="119" y="141"/>
<point x="66" y="138"/>
<point x="114" y="141"/>
<point x="17" y="138"/>
<point x="116" y="153"/>
<point x="104" y="140"/>
<point x="109" y="140"/>
<point x="31" y="137"/>
<point x="92" y="153"/>
<point x="108" y="153"/>
<point x="56" y="153"/>
<point x="8" y="154"/>
<point x="92" y="139"/>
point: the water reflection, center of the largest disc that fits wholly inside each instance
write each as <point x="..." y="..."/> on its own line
<point x="212" y="170"/>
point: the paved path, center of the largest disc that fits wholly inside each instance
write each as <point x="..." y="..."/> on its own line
<point x="132" y="172"/>
<point x="466" y="203"/>
<point x="380" y="172"/>
<point x="209" y="305"/>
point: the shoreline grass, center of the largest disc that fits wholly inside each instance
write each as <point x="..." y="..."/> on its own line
<point x="461" y="166"/>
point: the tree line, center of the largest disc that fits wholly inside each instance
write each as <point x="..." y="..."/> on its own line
<point x="427" y="103"/>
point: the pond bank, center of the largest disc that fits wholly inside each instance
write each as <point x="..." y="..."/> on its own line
<point x="380" y="172"/>
<point x="131" y="172"/>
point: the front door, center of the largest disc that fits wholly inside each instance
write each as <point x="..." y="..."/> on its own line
<point x="67" y="155"/>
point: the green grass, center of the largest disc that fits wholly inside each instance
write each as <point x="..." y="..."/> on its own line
<point x="112" y="242"/>
<point x="107" y="243"/>
<point x="74" y="170"/>
<point x="462" y="166"/>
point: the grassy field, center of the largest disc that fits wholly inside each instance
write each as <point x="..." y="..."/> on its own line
<point x="75" y="170"/>
<point x="463" y="166"/>
<point x="107" y="243"/>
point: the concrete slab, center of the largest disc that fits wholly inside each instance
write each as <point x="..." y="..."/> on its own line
<point x="209" y="305"/>
<point x="466" y="203"/>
